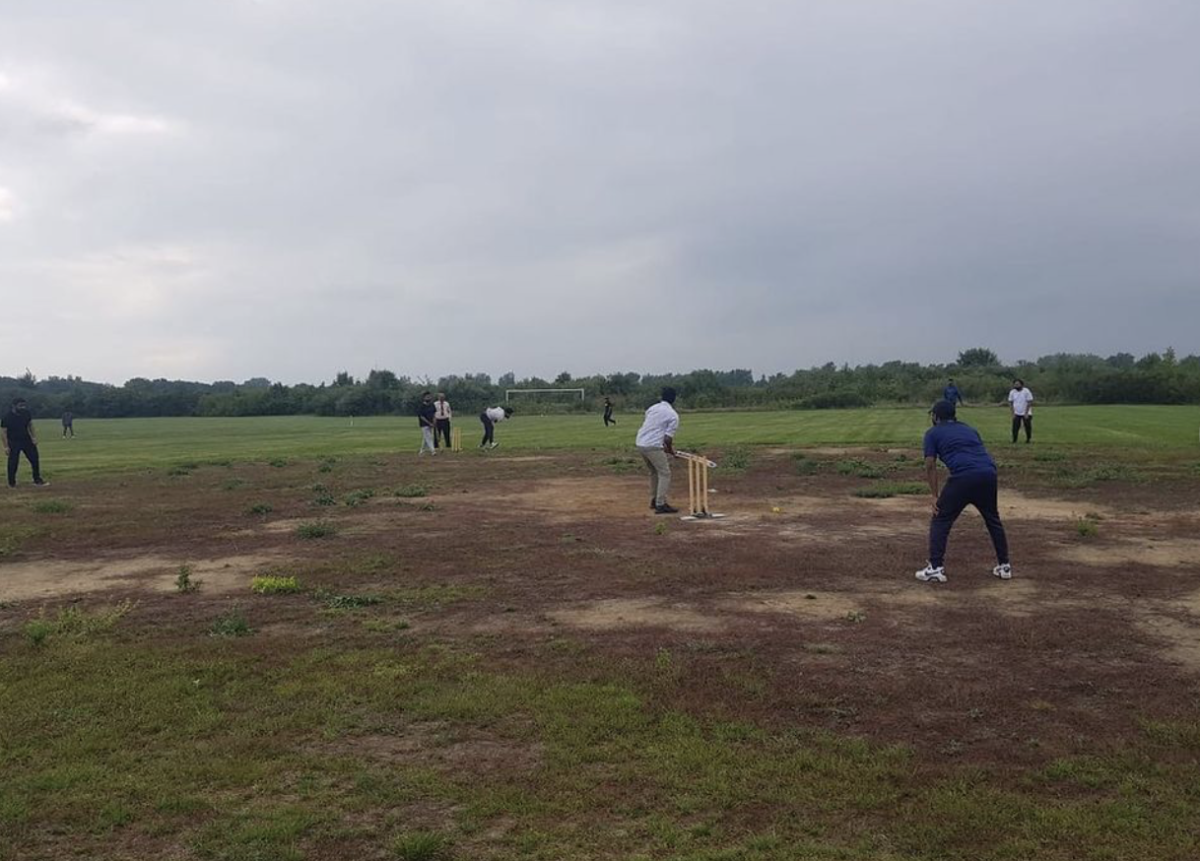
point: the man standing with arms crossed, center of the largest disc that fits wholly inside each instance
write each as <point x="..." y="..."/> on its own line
<point x="441" y="416"/>
<point x="17" y="435"/>
<point x="1020" y="399"/>
<point x="656" y="444"/>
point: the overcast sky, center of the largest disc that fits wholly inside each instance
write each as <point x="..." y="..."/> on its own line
<point x="220" y="189"/>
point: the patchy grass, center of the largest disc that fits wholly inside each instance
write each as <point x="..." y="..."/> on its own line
<point x="422" y="846"/>
<point x="76" y="622"/>
<point x="260" y="509"/>
<point x="359" y="497"/>
<point x="411" y="491"/>
<point x="1085" y="527"/>
<point x="311" y="531"/>
<point x="859" y="468"/>
<point x="230" y="624"/>
<point x="275" y="585"/>
<point x="885" y="490"/>
<point x="52" y="506"/>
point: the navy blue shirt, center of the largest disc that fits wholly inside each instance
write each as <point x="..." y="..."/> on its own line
<point x="950" y="393"/>
<point x="960" y="448"/>
<point x="426" y="414"/>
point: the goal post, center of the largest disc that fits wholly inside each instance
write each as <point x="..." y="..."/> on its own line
<point x="508" y="393"/>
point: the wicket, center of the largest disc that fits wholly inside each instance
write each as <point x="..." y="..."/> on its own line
<point x="697" y="486"/>
<point x="455" y="439"/>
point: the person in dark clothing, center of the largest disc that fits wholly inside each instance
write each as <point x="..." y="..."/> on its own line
<point x="608" y="413"/>
<point x="18" y="436"/>
<point x="972" y="481"/>
<point x="68" y="422"/>
<point x="951" y="393"/>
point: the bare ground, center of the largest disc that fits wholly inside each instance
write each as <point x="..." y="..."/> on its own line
<point x="803" y="588"/>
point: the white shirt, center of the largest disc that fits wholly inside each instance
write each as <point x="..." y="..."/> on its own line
<point x="441" y="409"/>
<point x="661" y="421"/>
<point x="1021" y="402"/>
<point x="496" y="414"/>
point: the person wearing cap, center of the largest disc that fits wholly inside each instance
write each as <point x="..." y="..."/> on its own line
<point x="972" y="481"/>
<point x="18" y="437"/>
<point x="656" y="444"/>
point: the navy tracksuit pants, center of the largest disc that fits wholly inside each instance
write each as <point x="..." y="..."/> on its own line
<point x="978" y="489"/>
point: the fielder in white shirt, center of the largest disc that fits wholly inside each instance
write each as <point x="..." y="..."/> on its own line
<point x="656" y="444"/>
<point x="1020" y="399"/>
<point x="489" y="417"/>
<point x="441" y="417"/>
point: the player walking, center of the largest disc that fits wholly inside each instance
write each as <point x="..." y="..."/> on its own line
<point x="18" y="436"/>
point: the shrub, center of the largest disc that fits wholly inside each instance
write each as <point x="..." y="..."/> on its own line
<point x="351" y="602"/>
<point x="835" y="400"/>
<point x="859" y="468"/>
<point x="261" y="508"/>
<point x="1086" y="527"/>
<point x="411" y="491"/>
<point x="184" y="582"/>
<point x="278" y="462"/>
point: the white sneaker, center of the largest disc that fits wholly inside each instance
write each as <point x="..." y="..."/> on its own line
<point x="495" y="444"/>
<point x="1003" y="571"/>
<point x="929" y="574"/>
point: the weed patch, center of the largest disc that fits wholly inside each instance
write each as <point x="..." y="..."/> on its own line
<point x="52" y="506"/>
<point x="885" y="490"/>
<point x="310" y="531"/>
<point x="272" y="585"/>
<point x="231" y="624"/>
<point x="359" y="497"/>
<point x="184" y="582"/>
<point x="261" y="509"/>
<point x="411" y="491"/>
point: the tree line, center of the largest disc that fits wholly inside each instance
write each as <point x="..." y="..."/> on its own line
<point x="1155" y="378"/>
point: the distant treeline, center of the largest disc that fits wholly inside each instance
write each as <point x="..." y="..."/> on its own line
<point x="1062" y="378"/>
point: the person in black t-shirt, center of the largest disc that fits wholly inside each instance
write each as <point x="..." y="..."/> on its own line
<point x="608" y="413"/>
<point x="17" y="434"/>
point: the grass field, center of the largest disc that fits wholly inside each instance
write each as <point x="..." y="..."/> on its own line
<point x="141" y="443"/>
<point x="289" y="639"/>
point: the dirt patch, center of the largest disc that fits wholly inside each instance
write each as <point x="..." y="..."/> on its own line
<point x="617" y="613"/>
<point x="817" y="606"/>
<point x="428" y="744"/>
<point x="1018" y="506"/>
<point x="1179" y="553"/>
<point x="52" y="578"/>
<point x="1181" y="638"/>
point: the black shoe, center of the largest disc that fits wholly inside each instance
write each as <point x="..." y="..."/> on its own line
<point x="653" y="504"/>
<point x="665" y="509"/>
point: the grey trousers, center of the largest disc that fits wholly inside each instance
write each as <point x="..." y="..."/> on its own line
<point x="660" y="472"/>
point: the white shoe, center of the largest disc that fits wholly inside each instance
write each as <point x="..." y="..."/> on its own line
<point x="495" y="444"/>
<point x="1003" y="571"/>
<point x="929" y="574"/>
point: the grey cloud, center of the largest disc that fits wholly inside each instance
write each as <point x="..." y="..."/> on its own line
<point x="593" y="186"/>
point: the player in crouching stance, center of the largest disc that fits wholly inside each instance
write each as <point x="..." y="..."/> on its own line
<point x="972" y="481"/>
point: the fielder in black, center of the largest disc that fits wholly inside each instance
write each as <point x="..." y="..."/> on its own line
<point x="608" y="413"/>
<point x="972" y="482"/>
<point x="18" y="436"/>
